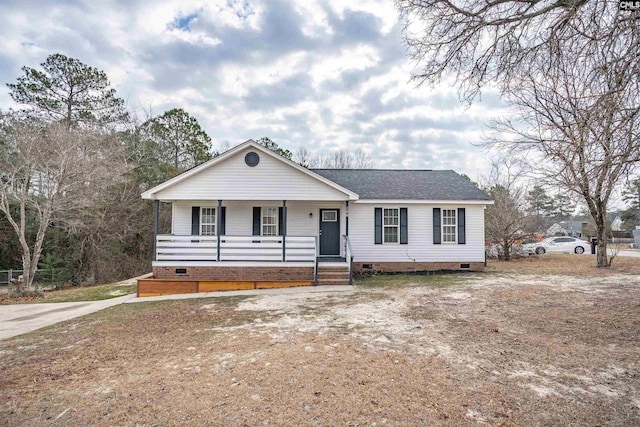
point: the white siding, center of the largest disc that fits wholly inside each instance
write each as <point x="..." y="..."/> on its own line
<point x="232" y="179"/>
<point x="181" y="219"/>
<point x="239" y="220"/>
<point x="420" y="247"/>
<point x="239" y="216"/>
<point x="300" y="224"/>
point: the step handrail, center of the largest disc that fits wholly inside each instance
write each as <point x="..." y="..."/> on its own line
<point x="315" y="265"/>
<point x="348" y="254"/>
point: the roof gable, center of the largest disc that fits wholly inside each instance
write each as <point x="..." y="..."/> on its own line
<point x="228" y="177"/>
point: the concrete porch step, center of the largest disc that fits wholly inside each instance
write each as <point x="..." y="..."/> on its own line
<point x="333" y="273"/>
<point x="340" y="281"/>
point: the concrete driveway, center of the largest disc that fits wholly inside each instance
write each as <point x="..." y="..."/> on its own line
<point x="19" y="319"/>
<point x="632" y="254"/>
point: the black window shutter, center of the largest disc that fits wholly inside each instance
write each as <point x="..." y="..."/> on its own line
<point x="378" y="226"/>
<point x="461" y="226"/>
<point x="223" y="221"/>
<point x="256" y="220"/>
<point x="195" y="220"/>
<point x="404" y="232"/>
<point x="280" y="221"/>
<point x="437" y="237"/>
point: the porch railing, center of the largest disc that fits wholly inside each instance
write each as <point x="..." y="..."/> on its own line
<point x="348" y="254"/>
<point x="236" y="248"/>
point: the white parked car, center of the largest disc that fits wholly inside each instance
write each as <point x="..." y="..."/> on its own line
<point x="559" y="244"/>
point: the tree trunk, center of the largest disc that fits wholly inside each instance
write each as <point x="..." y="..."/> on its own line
<point x="507" y="250"/>
<point x="45" y="219"/>
<point x="27" y="277"/>
<point x="602" y="260"/>
<point x="25" y="284"/>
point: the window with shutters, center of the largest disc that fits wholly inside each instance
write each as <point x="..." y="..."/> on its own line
<point x="207" y="221"/>
<point x="269" y="221"/>
<point x="449" y="226"/>
<point x="391" y="225"/>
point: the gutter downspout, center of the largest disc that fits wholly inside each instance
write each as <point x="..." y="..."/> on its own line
<point x="346" y="221"/>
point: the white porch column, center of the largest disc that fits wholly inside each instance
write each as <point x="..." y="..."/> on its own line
<point x="284" y="230"/>
<point x="218" y="227"/>
<point x="156" y="214"/>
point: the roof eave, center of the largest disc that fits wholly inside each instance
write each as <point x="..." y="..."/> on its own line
<point x="428" y="201"/>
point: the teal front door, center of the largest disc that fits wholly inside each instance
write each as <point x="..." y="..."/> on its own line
<point x="330" y="232"/>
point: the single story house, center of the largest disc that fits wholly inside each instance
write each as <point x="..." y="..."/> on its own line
<point x="616" y="221"/>
<point x="251" y="218"/>
<point x="567" y="228"/>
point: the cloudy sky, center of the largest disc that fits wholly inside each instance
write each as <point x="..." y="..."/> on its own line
<point x="320" y="74"/>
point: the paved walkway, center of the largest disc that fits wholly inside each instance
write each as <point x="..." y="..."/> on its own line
<point x="18" y="319"/>
<point x="275" y="291"/>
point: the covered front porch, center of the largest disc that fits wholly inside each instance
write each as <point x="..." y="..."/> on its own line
<point x="230" y="245"/>
<point x="249" y="218"/>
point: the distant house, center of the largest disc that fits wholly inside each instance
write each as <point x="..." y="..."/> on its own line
<point x="615" y="220"/>
<point x="250" y="218"/>
<point x="567" y="228"/>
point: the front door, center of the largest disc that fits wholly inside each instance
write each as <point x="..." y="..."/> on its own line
<point x="330" y="232"/>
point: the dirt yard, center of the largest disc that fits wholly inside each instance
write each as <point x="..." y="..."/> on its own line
<point x="497" y="348"/>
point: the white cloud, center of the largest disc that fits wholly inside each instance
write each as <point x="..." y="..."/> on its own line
<point x="331" y="66"/>
<point x="324" y="73"/>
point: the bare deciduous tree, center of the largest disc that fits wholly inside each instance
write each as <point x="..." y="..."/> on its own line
<point x="71" y="168"/>
<point x="302" y="156"/>
<point x="493" y="42"/>
<point x="341" y="159"/>
<point x="506" y="221"/>
<point x="361" y="159"/>
<point x="569" y="69"/>
<point x="584" y="122"/>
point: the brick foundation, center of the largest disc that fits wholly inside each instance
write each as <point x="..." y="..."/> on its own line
<point x="400" y="267"/>
<point x="236" y="273"/>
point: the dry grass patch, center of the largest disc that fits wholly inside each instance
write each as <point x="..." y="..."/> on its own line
<point x="74" y="294"/>
<point x="565" y="264"/>
<point x="383" y="280"/>
<point x="497" y="349"/>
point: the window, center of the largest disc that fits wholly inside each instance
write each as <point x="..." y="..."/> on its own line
<point x="391" y="225"/>
<point x="207" y="221"/>
<point x="269" y="221"/>
<point x="449" y="226"/>
<point x="564" y="240"/>
<point x="329" y="216"/>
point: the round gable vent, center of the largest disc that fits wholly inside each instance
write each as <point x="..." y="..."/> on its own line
<point x="252" y="159"/>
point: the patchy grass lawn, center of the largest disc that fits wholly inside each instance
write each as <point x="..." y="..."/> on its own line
<point x="565" y="264"/>
<point x="501" y="349"/>
<point x="84" y="293"/>
<point x="398" y="280"/>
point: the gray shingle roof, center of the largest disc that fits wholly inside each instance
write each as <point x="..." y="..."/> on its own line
<point x="405" y="184"/>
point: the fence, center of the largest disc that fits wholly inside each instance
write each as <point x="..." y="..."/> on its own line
<point x="42" y="276"/>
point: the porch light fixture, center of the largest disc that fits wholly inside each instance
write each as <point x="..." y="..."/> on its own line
<point x="310" y="214"/>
